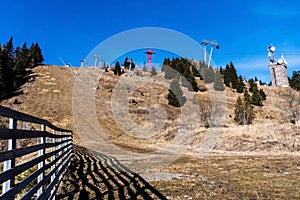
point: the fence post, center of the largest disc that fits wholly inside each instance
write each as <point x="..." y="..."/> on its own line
<point x="60" y="152"/>
<point x="41" y="164"/>
<point x="53" y="165"/>
<point x="9" y="164"/>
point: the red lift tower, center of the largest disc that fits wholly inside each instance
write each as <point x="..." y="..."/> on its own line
<point x="149" y="53"/>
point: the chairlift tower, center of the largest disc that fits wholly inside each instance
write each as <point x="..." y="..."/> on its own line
<point x="82" y="61"/>
<point x="149" y="53"/>
<point x="213" y="43"/>
<point x="130" y="63"/>
<point x="96" y="59"/>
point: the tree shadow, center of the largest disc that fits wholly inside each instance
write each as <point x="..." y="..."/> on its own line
<point x="102" y="177"/>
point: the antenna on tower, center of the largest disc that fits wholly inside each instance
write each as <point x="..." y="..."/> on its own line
<point x="271" y="50"/>
<point x="282" y="61"/>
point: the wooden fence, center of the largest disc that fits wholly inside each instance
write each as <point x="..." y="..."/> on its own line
<point x="33" y="171"/>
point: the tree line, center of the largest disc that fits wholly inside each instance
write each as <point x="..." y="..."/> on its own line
<point x="13" y="65"/>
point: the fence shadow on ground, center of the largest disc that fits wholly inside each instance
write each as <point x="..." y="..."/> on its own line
<point x="102" y="177"/>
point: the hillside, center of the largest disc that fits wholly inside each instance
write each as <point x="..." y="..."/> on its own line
<point x="244" y="159"/>
<point x="49" y="95"/>
<point x="271" y="131"/>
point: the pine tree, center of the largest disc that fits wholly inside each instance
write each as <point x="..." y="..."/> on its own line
<point x="166" y="63"/>
<point x="193" y="86"/>
<point x="126" y="63"/>
<point x="209" y="75"/>
<point x="144" y="69"/>
<point x="169" y="73"/>
<point x="230" y="76"/>
<point x="226" y="76"/>
<point x="295" y="81"/>
<point x="233" y="76"/>
<point x="175" y="95"/>
<point x="247" y="96"/>
<point x="218" y="83"/>
<point x="244" y="113"/>
<point x="117" y="70"/>
<point x="153" y="72"/>
<point x="36" y="55"/>
<point x="8" y="54"/>
<point x="196" y="73"/>
<point x="252" y="84"/>
<point x="262" y="94"/>
<point x="256" y="99"/>
<point x="241" y="85"/>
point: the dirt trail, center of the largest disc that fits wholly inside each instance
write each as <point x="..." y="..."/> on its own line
<point x="102" y="178"/>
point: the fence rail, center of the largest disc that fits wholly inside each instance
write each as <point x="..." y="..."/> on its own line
<point x="48" y="157"/>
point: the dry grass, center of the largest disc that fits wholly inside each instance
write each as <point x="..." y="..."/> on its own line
<point x="233" y="177"/>
<point x="261" y="165"/>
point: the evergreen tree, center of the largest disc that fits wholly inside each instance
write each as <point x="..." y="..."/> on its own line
<point x="169" y="73"/>
<point x="252" y="84"/>
<point x="262" y="95"/>
<point x="7" y="66"/>
<point x="36" y="56"/>
<point x="166" y="63"/>
<point x="218" y="83"/>
<point x="9" y="49"/>
<point x="196" y="73"/>
<point x="295" y="81"/>
<point x="230" y="76"/>
<point x="117" y="70"/>
<point x="233" y="75"/>
<point x="189" y="80"/>
<point x="153" y="71"/>
<point x="209" y="75"/>
<point x="244" y="113"/>
<point x="241" y="85"/>
<point x="256" y="98"/>
<point x="247" y="97"/>
<point x="226" y="76"/>
<point x="144" y="69"/>
<point x="221" y="71"/>
<point x="175" y="95"/>
<point x="192" y="86"/>
<point x="126" y="63"/>
<point x="22" y="60"/>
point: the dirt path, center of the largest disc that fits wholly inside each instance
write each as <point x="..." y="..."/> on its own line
<point x="105" y="178"/>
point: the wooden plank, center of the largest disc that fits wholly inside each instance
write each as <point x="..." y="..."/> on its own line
<point x="32" y="191"/>
<point x="21" y="168"/>
<point x="6" y="134"/>
<point x="46" y="194"/>
<point x="57" y="182"/>
<point x="58" y="163"/>
<point x="6" y="112"/>
<point x="5" y="155"/>
<point x="19" y="186"/>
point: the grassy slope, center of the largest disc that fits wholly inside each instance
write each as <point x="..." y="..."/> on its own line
<point x="214" y="177"/>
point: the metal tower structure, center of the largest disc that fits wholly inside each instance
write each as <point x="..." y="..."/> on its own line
<point x="82" y="61"/>
<point x="149" y="53"/>
<point x="96" y="59"/>
<point x="213" y="43"/>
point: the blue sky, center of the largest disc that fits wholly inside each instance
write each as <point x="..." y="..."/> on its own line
<point x="244" y="29"/>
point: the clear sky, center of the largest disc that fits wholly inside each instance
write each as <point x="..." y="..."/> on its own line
<point x="244" y="29"/>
